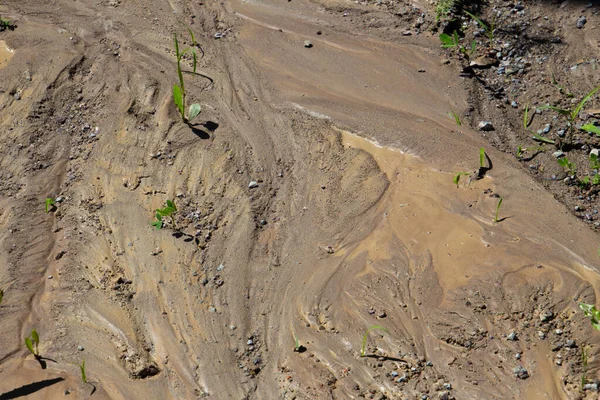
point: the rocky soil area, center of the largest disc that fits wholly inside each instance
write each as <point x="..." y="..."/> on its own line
<point x="316" y="198"/>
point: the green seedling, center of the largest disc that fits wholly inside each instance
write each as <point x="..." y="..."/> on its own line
<point x="5" y="24"/>
<point x="443" y="8"/>
<point x="488" y="29"/>
<point x="179" y="94"/>
<point x="49" y="204"/>
<point x="455" y="116"/>
<point x="481" y="158"/>
<point x="571" y="114"/>
<point x="540" y="138"/>
<point x="1" y="295"/>
<point x="591" y="128"/>
<point x="456" y="179"/>
<point x="364" y="339"/>
<point x="82" y="368"/>
<point x="498" y="209"/>
<point x="32" y="342"/>
<point x="590" y="311"/>
<point x="567" y="165"/>
<point x="450" y="42"/>
<point x="453" y="42"/>
<point x="169" y="211"/>
<point x="526" y="120"/>
<point x="594" y="165"/>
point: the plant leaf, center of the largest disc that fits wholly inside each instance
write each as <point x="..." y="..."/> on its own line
<point x="82" y="367"/>
<point x="49" y="203"/>
<point x="557" y="109"/>
<point x="178" y="98"/>
<point x="481" y="157"/>
<point x="194" y="111"/>
<point x="591" y="128"/>
<point x="29" y="345"/>
<point x="589" y="310"/>
<point x="171" y="205"/>
<point x="543" y="139"/>
<point x="446" y="39"/>
<point x="582" y="102"/>
<point x="35" y="337"/>
<point x="364" y="341"/>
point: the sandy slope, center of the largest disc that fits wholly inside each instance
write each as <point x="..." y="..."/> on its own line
<point x="354" y="234"/>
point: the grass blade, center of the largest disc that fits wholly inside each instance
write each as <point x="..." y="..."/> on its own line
<point x="543" y="139"/>
<point x="582" y="102"/>
<point x="591" y="128"/>
<point x="364" y="340"/>
<point x="83" y="376"/>
<point x="481" y="157"/>
<point x="498" y="209"/>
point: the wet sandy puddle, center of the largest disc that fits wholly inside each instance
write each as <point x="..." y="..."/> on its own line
<point x="425" y="211"/>
<point x="6" y="53"/>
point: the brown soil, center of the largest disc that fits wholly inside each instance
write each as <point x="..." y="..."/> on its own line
<point x="355" y="220"/>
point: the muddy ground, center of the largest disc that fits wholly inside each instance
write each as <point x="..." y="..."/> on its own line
<point x="315" y="199"/>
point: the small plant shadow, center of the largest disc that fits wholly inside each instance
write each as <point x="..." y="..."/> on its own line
<point x="483" y="170"/>
<point x="42" y="361"/>
<point x="29" y="389"/>
<point x="385" y="358"/>
<point x="300" y="349"/>
<point x="202" y="134"/>
<point x="505" y="218"/>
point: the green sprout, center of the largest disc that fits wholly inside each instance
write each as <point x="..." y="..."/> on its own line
<point x="32" y="343"/>
<point x="169" y="211"/>
<point x="453" y="42"/>
<point x="594" y="165"/>
<point x="572" y="114"/>
<point x="50" y="202"/>
<point x="179" y="93"/>
<point x="1" y="295"/>
<point x="567" y="165"/>
<point x="526" y="120"/>
<point x="82" y="368"/>
<point x="449" y="42"/>
<point x="5" y="24"/>
<point x="498" y="210"/>
<point x="364" y="339"/>
<point x="457" y="177"/>
<point x="590" y="311"/>
<point x="488" y="29"/>
<point x="455" y="116"/>
<point x="481" y="158"/>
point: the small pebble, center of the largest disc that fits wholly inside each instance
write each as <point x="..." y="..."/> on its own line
<point x="520" y="372"/>
<point x="308" y="44"/>
<point x="80" y="348"/>
<point x="581" y="22"/>
<point x="253" y="185"/>
<point x="485" y="126"/>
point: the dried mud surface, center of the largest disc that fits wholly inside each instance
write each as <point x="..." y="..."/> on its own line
<point x="354" y="220"/>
